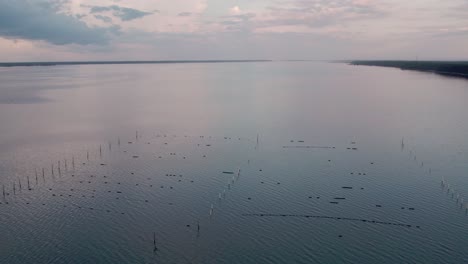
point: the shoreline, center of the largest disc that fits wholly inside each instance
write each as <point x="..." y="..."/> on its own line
<point x="457" y="69"/>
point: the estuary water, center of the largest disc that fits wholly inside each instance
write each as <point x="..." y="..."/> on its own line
<point x="248" y="162"/>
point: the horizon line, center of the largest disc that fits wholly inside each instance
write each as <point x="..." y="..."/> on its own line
<point x="122" y="62"/>
<point x="109" y="62"/>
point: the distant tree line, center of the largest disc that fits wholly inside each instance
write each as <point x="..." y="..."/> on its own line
<point x="450" y="68"/>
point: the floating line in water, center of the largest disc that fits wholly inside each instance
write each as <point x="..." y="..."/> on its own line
<point x="332" y="217"/>
<point x="318" y="147"/>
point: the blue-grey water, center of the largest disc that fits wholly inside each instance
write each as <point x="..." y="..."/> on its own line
<point x="298" y="131"/>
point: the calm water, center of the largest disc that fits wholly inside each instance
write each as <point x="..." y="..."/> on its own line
<point x="196" y="121"/>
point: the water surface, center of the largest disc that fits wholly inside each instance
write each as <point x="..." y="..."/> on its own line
<point x="320" y="127"/>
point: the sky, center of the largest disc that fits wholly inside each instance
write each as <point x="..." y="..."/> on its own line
<point x="64" y="30"/>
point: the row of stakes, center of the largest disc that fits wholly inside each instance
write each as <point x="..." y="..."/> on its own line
<point x="19" y="186"/>
<point x="454" y="194"/>
<point x="444" y="184"/>
<point x="60" y="166"/>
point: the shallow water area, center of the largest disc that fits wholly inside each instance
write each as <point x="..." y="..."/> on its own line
<point x="260" y="162"/>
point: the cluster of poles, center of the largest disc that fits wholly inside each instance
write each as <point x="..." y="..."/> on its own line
<point x="454" y="194"/>
<point x="444" y="184"/>
<point x="231" y="181"/>
<point x="56" y="170"/>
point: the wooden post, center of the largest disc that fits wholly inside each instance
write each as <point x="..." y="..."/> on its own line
<point x="256" y="146"/>
<point x="155" y="248"/>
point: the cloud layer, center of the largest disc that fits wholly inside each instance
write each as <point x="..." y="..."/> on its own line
<point x="237" y="29"/>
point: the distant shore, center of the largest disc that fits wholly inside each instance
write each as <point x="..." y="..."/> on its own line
<point x="447" y="68"/>
<point x="62" y="63"/>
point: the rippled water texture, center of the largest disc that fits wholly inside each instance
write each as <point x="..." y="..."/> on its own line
<point x="270" y="162"/>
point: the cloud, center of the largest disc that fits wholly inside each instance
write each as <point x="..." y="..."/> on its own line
<point x="41" y="20"/>
<point x="184" y="14"/>
<point x="105" y="19"/>
<point x="124" y="13"/>
<point x="320" y="13"/>
<point x="241" y="21"/>
<point x="235" y="10"/>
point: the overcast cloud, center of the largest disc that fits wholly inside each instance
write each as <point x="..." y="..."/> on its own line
<point x="232" y="29"/>
<point x="42" y="20"/>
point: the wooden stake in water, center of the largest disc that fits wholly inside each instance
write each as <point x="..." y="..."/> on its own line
<point x="59" y="172"/>
<point x="19" y="182"/>
<point x="73" y="162"/>
<point x="29" y="187"/>
<point x="43" y="174"/>
<point x="66" y="169"/>
<point x="100" y="151"/>
<point x="35" y="172"/>
<point x="52" y="167"/>
<point x="3" y="192"/>
<point x="118" y="141"/>
<point x="136" y="135"/>
<point x="87" y="155"/>
<point x="256" y="146"/>
<point x="155" y="248"/>
<point x="14" y="188"/>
